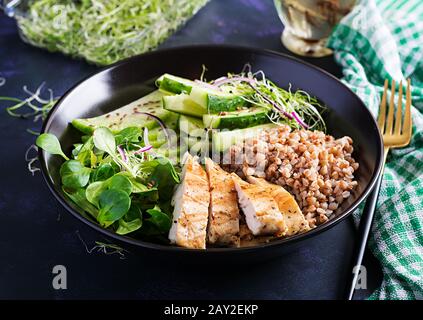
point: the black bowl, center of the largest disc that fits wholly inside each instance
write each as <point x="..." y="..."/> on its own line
<point x="130" y="79"/>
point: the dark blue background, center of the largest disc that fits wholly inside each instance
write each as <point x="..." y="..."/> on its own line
<point x="37" y="234"/>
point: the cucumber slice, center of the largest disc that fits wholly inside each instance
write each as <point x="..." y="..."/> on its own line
<point x="199" y="147"/>
<point x="196" y="145"/>
<point x="157" y="137"/>
<point x="172" y="121"/>
<point x="213" y="101"/>
<point x="127" y="116"/>
<point x="216" y="101"/>
<point x="236" y="119"/>
<point x="160" y="142"/>
<point x="157" y="134"/>
<point x="194" y="137"/>
<point x="176" y="85"/>
<point x="190" y="125"/>
<point x="184" y="105"/>
<point x="222" y="140"/>
<point x="195" y="141"/>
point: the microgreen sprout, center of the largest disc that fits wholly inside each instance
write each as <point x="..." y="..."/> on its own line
<point x="109" y="249"/>
<point x="33" y="132"/>
<point x="144" y="149"/>
<point x="203" y="73"/>
<point x="106" y="248"/>
<point x="32" y="159"/>
<point x="38" y="105"/>
<point x="103" y="32"/>
<point x="122" y="154"/>
<point x="145" y="137"/>
<point x="297" y="109"/>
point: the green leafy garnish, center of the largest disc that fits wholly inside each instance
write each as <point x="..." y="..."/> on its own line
<point x="74" y="174"/>
<point x="128" y="135"/>
<point x="113" y="190"/>
<point x="94" y="190"/>
<point x="103" y="172"/>
<point x="85" y="152"/>
<point x="104" y="140"/>
<point x="76" y="148"/>
<point x="114" y="204"/>
<point x="164" y="177"/>
<point x="117" y="182"/>
<point x="138" y="187"/>
<point x="131" y="221"/>
<point x="120" y="182"/>
<point x="79" y="198"/>
<point x="160" y="219"/>
<point x="49" y="143"/>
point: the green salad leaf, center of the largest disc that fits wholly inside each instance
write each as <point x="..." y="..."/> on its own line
<point x="120" y="182"/>
<point x="85" y="153"/>
<point x="94" y="190"/>
<point x="49" y="143"/>
<point x="128" y="135"/>
<point x="114" y="204"/>
<point x="139" y="187"/>
<point x="103" y="172"/>
<point x="85" y="138"/>
<point x="164" y="177"/>
<point x="118" y="187"/>
<point x="104" y="140"/>
<point x="116" y="182"/>
<point x="159" y="219"/>
<point x="76" y="148"/>
<point x="131" y="221"/>
<point x="74" y="174"/>
<point x="79" y="198"/>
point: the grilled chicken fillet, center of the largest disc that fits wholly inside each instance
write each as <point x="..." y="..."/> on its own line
<point x="293" y="217"/>
<point x="260" y="209"/>
<point x="191" y="207"/>
<point x="223" y="226"/>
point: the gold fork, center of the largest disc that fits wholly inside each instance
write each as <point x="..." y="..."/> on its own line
<point x="400" y="135"/>
<point x="396" y="133"/>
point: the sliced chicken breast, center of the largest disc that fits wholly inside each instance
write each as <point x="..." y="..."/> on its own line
<point x="191" y="207"/>
<point x="247" y="239"/>
<point x="223" y="228"/>
<point x="293" y="217"/>
<point x="260" y="209"/>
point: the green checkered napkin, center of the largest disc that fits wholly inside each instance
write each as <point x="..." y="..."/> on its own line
<point x="378" y="40"/>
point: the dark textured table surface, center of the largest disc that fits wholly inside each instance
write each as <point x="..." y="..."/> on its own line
<point x="37" y="234"/>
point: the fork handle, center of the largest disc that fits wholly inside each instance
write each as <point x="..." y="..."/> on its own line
<point x="363" y="235"/>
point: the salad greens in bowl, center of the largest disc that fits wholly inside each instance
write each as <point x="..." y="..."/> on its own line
<point x="114" y="158"/>
<point x="111" y="190"/>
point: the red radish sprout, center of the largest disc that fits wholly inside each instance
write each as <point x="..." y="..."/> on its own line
<point x="299" y="120"/>
<point x="158" y="120"/>
<point x="144" y="149"/>
<point x="207" y="85"/>
<point x="122" y="154"/>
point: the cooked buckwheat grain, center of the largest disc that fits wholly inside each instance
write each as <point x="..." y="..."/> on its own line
<point x="316" y="168"/>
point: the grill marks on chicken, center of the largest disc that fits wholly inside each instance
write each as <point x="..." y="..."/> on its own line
<point x="260" y="209"/>
<point x="223" y="228"/>
<point x="207" y="209"/>
<point x="191" y="207"/>
<point x="293" y="217"/>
